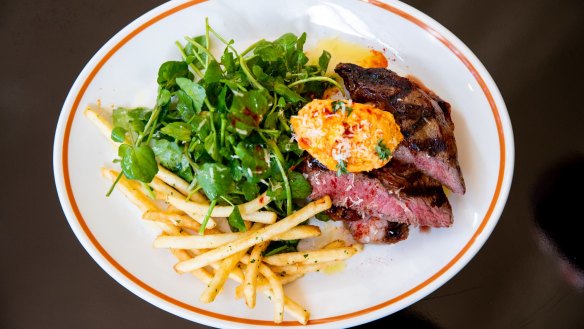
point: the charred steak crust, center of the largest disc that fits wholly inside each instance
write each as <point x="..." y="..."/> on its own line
<point x="343" y="214"/>
<point x="423" y="117"/>
<point x="381" y="194"/>
<point x="408" y="181"/>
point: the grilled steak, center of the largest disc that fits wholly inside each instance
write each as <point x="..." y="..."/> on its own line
<point x="376" y="230"/>
<point x="395" y="193"/>
<point x="423" y="117"/>
<point x="371" y="229"/>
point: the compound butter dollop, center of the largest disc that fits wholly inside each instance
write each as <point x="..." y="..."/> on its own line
<point x="345" y="135"/>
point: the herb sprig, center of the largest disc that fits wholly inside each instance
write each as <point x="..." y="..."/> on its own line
<point x="383" y="152"/>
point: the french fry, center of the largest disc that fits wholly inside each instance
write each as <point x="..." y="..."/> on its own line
<point x="173" y="210"/>
<point x="357" y="246"/>
<point x="262" y="283"/>
<point x="251" y="273"/>
<point x="303" y="268"/>
<point x="226" y="268"/>
<point x="277" y="292"/>
<point x="176" y="219"/>
<point x="311" y="257"/>
<point x="209" y="241"/>
<point x="258" y="236"/>
<point x="171" y="218"/>
<point x="264" y="217"/>
<point x="177" y="200"/>
<point x="298" y="232"/>
<point x="236" y="274"/>
<point x="100" y="120"/>
<point x="134" y="193"/>
<point x="291" y="307"/>
<point x="200" y="273"/>
<point x="168" y="229"/>
<point x="221" y="274"/>
<point x="334" y="244"/>
<point x="130" y="191"/>
<point x="219" y="211"/>
<point x="199" y="244"/>
<point x="300" y="269"/>
<point x="179" y="184"/>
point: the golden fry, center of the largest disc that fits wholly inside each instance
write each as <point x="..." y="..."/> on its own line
<point x="130" y="190"/>
<point x="311" y="257"/>
<point x="251" y="273"/>
<point x="277" y="292"/>
<point x="179" y="184"/>
<point x="210" y="241"/>
<point x="260" y="235"/>
<point x="221" y="274"/>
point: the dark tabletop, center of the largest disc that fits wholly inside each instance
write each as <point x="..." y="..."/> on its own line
<point x="525" y="276"/>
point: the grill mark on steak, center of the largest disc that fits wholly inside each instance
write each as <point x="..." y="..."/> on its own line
<point x="407" y="180"/>
<point x="398" y="192"/>
<point x="423" y="117"/>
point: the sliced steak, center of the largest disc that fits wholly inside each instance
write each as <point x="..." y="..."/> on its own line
<point x="398" y="192"/>
<point x="376" y="230"/>
<point x="423" y="117"/>
<point x="371" y="229"/>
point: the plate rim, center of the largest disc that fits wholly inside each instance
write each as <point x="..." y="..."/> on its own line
<point x="169" y="304"/>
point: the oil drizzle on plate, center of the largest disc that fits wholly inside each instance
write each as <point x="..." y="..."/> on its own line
<point x="346" y="52"/>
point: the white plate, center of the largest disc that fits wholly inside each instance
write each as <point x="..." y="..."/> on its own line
<point x="377" y="282"/>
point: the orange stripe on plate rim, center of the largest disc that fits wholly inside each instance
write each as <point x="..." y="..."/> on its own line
<point x="141" y="284"/>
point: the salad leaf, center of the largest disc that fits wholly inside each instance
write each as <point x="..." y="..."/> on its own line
<point x="118" y="134"/>
<point x="247" y="111"/>
<point x="288" y="93"/>
<point x="129" y="119"/>
<point x="253" y="163"/>
<point x="301" y="188"/>
<point x="236" y="221"/>
<point x="228" y="61"/>
<point x="163" y="97"/>
<point x="323" y="61"/>
<point x="210" y="144"/>
<point x="169" y="71"/>
<point x="194" y="90"/>
<point x="278" y="247"/>
<point x="171" y="156"/>
<point x="289" y="145"/>
<point x="184" y="106"/>
<point x="194" y="54"/>
<point x="214" y="179"/>
<point x="179" y="130"/>
<point x="213" y="73"/>
<point x="250" y="190"/>
<point x="138" y="162"/>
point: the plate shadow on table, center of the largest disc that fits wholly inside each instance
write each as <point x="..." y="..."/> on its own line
<point x="556" y="203"/>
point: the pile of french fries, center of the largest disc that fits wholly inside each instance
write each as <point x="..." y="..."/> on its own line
<point x="218" y="255"/>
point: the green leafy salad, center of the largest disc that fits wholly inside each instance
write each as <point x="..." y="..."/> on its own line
<point x="222" y="123"/>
